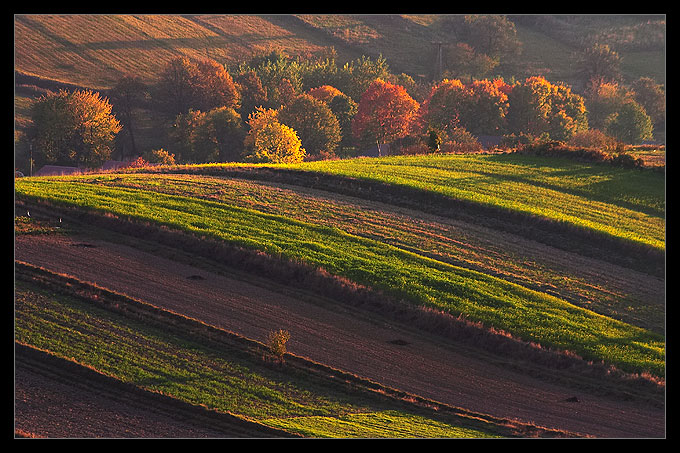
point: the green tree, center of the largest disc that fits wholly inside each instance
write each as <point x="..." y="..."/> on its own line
<point x="344" y="109"/>
<point x="355" y="77"/>
<point x="630" y="124"/>
<point x="213" y="136"/>
<point x="434" y="140"/>
<point x="316" y="125"/>
<point x="73" y="128"/>
<point x="461" y="61"/>
<point x="492" y="35"/>
<point x="652" y="97"/>
<point x="279" y="74"/>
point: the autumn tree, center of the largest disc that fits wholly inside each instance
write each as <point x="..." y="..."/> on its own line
<point x="175" y="90"/>
<point x="194" y="84"/>
<point x="613" y="109"/>
<point x="214" y="87"/>
<point x="537" y="107"/>
<point x="159" y="156"/>
<point x="486" y="109"/>
<point x="270" y="141"/>
<point x="385" y="113"/>
<point x="276" y="343"/>
<point x="253" y="94"/>
<point x="73" y="128"/>
<point x="598" y="64"/>
<point x="442" y="110"/>
<point x="316" y="125"/>
<point x="324" y="93"/>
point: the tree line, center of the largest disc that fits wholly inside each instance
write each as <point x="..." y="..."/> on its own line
<point x="275" y="108"/>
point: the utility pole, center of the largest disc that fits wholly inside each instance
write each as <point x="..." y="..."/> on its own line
<point x="438" y="69"/>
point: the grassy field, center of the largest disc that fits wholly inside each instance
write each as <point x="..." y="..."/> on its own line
<point x="531" y="315"/>
<point x="624" y="203"/>
<point x="232" y="380"/>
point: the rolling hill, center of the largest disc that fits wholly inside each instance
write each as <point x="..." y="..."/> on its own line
<point x="94" y="51"/>
<point x="443" y="295"/>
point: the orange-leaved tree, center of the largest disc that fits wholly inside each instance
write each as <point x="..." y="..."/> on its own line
<point x="537" y="107"/>
<point x="73" y="128"/>
<point x="442" y="108"/>
<point x="214" y="86"/>
<point x="385" y="113"/>
<point x="324" y="93"/>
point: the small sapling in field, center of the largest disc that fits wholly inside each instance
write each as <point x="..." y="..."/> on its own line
<point x="276" y="342"/>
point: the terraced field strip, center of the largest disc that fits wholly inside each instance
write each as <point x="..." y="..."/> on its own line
<point x="628" y="204"/>
<point x="609" y="290"/>
<point x="524" y="313"/>
<point x="95" y="50"/>
<point x="164" y="353"/>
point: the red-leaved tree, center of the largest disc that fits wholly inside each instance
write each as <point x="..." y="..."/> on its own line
<point x="385" y="113"/>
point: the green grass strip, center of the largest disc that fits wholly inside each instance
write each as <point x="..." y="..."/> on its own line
<point x="624" y="203"/>
<point x="524" y="313"/>
<point x="159" y="360"/>
<point x="383" y="424"/>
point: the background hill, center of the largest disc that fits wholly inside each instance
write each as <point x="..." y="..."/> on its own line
<point x="96" y="50"/>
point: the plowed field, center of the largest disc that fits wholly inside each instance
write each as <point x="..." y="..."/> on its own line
<point x="342" y="337"/>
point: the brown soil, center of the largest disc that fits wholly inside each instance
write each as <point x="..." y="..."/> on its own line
<point x="339" y="336"/>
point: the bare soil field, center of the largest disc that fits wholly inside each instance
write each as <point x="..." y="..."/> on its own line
<point x="342" y="337"/>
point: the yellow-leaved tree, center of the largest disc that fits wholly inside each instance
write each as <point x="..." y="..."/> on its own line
<point x="270" y="141"/>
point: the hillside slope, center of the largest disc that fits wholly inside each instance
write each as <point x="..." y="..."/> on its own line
<point x="96" y="50"/>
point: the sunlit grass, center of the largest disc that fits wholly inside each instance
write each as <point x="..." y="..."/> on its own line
<point x="624" y="203"/>
<point x="390" y="424"/>
<point x="524" y="313"/>
<point x="432" y="236"/>
<point x="231" y="381"/>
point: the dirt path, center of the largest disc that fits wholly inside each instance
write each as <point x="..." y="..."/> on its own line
<point x="340" y="337"/>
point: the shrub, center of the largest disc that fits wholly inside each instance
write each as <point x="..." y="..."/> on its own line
<point x="627" y="161"/>
<point x="276" y="342"/>
<point x="594" y="138"/>
<point x="160" y="156"/>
